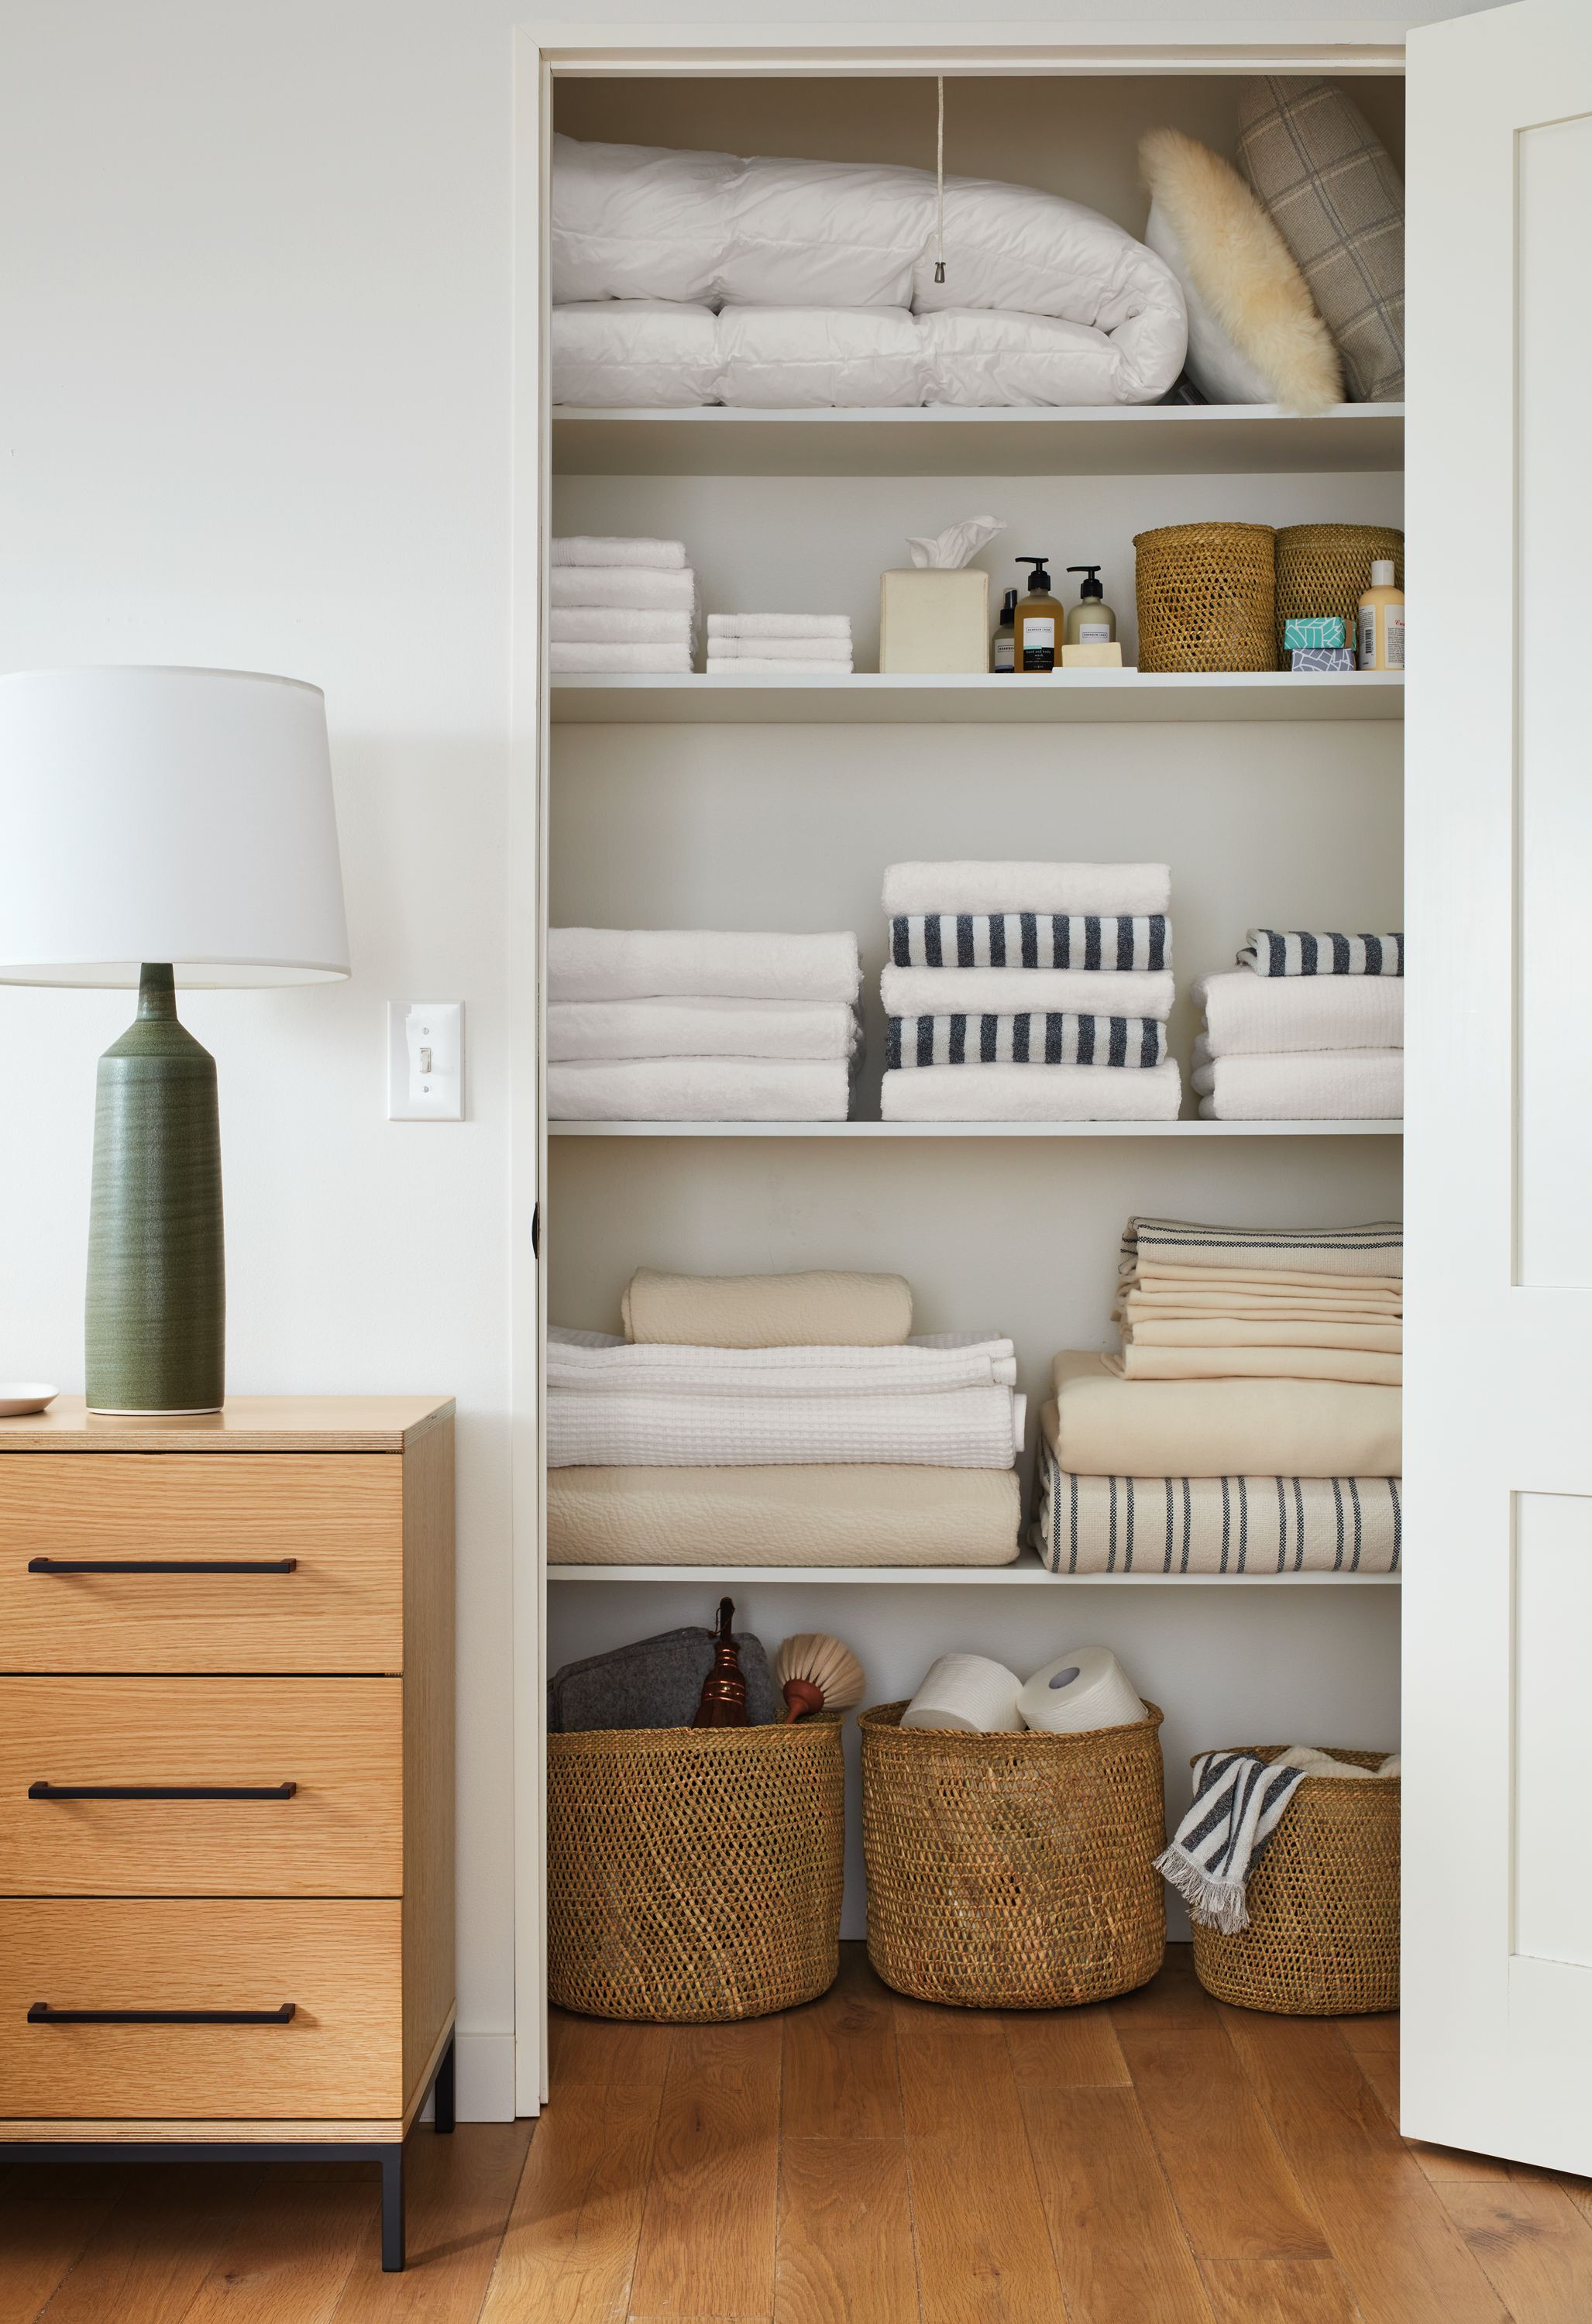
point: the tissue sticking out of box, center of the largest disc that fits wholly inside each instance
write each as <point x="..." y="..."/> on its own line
<point x="957" y="545"/>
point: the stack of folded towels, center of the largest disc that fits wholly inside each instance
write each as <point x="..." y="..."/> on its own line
<point x="1251" y="1422"/>
<point x="1307" y="1028"/>
<point x="1028" y="992"/>
<point x="621" y="604"/>
<point x="686" y="1025"/>
<point x="780" y="1420"/>
<point x="779" y="645"/>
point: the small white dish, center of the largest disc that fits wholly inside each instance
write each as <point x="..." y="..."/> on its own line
<point x="18" y="1396"/>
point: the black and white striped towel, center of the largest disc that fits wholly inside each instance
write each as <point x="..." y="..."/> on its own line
<point x="1036" y="1037"/>
<point x="1239" y="1802"/>
<point x="1030" y="940"/>
<point x="1296" y="952"/>
<point x="1374" y="1249"/>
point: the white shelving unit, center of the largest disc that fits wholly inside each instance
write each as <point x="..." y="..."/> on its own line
<point x="1025" y="1572"/>
<point x="1079" y="697"/>
<point x="870" y="1130"/>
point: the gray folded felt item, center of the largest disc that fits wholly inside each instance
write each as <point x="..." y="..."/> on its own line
<point x="654" y="1682"/>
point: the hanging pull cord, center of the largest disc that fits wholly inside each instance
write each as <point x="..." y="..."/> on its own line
<point x="940" y="183"/>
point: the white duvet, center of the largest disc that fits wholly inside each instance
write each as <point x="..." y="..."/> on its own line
<point x="698" y="278"/>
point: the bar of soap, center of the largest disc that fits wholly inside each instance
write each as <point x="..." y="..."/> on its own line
<point x="1092" y="656"/>
<point x="1324" y="657"/>
<point x="1322" y="629"/>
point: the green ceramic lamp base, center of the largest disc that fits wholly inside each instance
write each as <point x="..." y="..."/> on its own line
<point x="156" y="1315"/>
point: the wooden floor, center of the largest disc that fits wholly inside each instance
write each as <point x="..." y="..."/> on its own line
<point x="865" y="2160"/>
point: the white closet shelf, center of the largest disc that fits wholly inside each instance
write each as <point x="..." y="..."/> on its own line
<point x="1158" y="439"/>
<point x="872" y="697"/>
<point x="1025" y="1570"/>
<point x="866" y="1130"/>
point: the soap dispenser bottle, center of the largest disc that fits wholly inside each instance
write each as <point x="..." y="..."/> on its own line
<point x="1003" y="644"/>
<point x="1037" y="623"/>
<point x="1090" y="621"/>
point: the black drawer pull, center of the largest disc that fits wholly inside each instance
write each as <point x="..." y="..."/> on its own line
<point x="163" y="1565"/>
<point x="161" y="1791"/>
<point x="41" y="2014"/>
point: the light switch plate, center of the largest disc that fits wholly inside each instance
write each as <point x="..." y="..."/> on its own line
<point x="425" y="1061"/>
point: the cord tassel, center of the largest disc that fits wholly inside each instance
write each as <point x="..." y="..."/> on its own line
<point x="940" y="181"/>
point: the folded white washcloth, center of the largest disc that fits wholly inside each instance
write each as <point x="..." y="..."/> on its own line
<point x="641" y="588"/>
<point x="701" y="963"/>
<point x="599" y="548"/>
<point x="592" y="1030"/>
<point x="963" y="887"/>
<point x="1032" y="1093"/>
<point x="1248" y="1015"/>
<point x="1011" y="991"/>
<point x="618" y="626"/>
<point x="593" y="657"/>
<point x="823" y="649"/>
<point x="1306" y="1086"/>
<point x="780" y="625"/>
<point x="761" y="666"/>
<point x="704" y="1089"/>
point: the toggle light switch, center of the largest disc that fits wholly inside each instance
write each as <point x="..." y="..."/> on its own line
<point x="425" y="1061"/>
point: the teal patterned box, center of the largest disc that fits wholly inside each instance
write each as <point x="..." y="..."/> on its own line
<point x="1324" y="630"/>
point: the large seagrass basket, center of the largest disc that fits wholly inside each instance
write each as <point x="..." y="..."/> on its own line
<point x="1207" y="597"/>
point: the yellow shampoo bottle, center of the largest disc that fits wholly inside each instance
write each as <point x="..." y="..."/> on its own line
<point x="1381" y="634"/>
<point x="1037" y="624"/>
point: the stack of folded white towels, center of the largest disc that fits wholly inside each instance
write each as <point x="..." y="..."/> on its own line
<point x="781" y="1420"/>
<point x="689" y="1025"/>
<point x="1308" y="1027"/>
<point x="621" y="604"/>
<point x="779" y="645"/>
<point x="1028" y="992"/>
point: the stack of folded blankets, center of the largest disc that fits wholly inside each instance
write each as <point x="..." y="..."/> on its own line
<point x="688" y="1025"/>
<point x="780" y="1420"/>
<point x="1251" y="1422"/>
<point x="1307" y="1028"/>
<point x="1028" y="992"/>
<point x="779" y="645"/>
<point x="621" y="604"/>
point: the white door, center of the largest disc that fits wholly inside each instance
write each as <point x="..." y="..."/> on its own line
<point x="1497" y="1977"/>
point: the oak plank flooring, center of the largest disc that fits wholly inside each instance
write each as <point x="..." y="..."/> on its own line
<point x="1278" y="2291"/>
<point x="158" y="2244"/>
<point x="1065" y="2049"/>
<point x="1120" y="2250"/>
<point x="841" y="2078"/>
<point x="461" y="2189"/>
<point x="710" y="2225"/>
<point x="1532" y="2244"/>
<point x="290" y="2255"/>
<point x="569" y="2250"/>
<point x="48" y="2215"/>
<point x="846" y="2249"/>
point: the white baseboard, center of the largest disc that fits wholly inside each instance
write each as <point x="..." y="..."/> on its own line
<point x="483" y="2070"/>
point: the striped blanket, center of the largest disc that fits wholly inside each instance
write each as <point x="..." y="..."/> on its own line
<point x="1296" y="952"/>
<point x="1239" y="1802"/>
<point x="1377" y="1248"/>
<point x="1030" y="940"/>
<point x="1216" y="1525"/>
<point x="1034" y="1037"/>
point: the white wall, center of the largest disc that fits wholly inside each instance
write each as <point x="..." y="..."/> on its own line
<point x="255" y="274"/>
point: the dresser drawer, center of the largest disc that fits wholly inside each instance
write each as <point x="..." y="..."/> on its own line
<point x="334" y="1966"/>
<point x="337" y="1742"/>
<point x="327" y="1529"/>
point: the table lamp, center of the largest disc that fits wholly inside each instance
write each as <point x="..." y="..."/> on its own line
<point x="161" y="828"/>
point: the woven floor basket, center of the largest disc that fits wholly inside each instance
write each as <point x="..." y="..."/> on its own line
<point x="1323" y="1934"/>
<point x="1013" y="1871"/>
<point x="1324" y="570"/>
<point x="694" y="1876"/>
<point x="1207" y="597"/>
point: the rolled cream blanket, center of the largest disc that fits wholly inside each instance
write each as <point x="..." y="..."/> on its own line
<point x="1248" y="1015"/>
<point x="588" y="1030"/>
<point x="1112" y="1428"/>
<point x="1374" y="1248"/>
<point x="1304" y="1086"/>
<point x="599" y="548"/>
<point x="1032" y="1093"/>
<point x="1009" y="991"/>
<point x="699" y="1089"/>
<point x="781" y="625"/>
<point x="701" y="963"/>
<point x="634" y="585"/>
<point x="1022" y="887"/>
<point x="818" y="1309"/>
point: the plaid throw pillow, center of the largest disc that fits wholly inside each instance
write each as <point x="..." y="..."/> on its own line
<point x="1331" y="189"/>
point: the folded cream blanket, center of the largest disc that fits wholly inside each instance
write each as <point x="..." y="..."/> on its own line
<point x="1212" y="1525"/>
<point x="1151" y="1330"/>
<point x="635" y="585"/>
<point x="592" y="1029"/>
<point x="700" y="964"/>
<point x="1189" y="1250"/>
<point x="1010" y="991"/>
<point x="621" y="625"/>
<point x="1141" y="1360"/>
<point x="964" y="887"/>
<point x="1248" y="1015"/>
<point x="781" y="625"/>
<point x="598" y="549"/>
<point x="699" y="1089"/>
<point x="595" y="1361"/>
<point x="851" y="1516"/>
<point x="598" y="656"/>
<point x="820" y="1308"/>
<point x="1309" y="1085"/>
<point x="1032" y="1093"/>
<point x="1107" y="1426"/>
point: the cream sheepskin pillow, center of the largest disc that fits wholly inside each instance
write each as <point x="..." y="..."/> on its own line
<point x="1253" y="334"/>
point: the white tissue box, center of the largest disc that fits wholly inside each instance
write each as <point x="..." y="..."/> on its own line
<point x="932" y="619"/>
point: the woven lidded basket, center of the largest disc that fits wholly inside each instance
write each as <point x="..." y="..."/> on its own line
<point x="1013" y="1871"/>
<point x="695" y="1875"/>
<point x="1207" y="597"/>
<point x="1324" y="570"/>
<point x="1323" y="1934"/>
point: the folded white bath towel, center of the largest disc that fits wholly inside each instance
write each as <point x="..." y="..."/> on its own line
<point x="593" y="657"/>
<point x="618" y="625"/>
<point x="1013" y="992"/>
<point x="594" y="1030"/>
<point x="635" y="585"/>
<point x="1032" y="1093"/>
<point x="780" y="625"/>
<point x="599" y="1361"/>
<point x="599" y="548"/>
<point x="959" y="1428"/>
<point x="764" y="666"/>
<point x="704" y="1089"/>
<point x="1304" y="1086"/>
<point x="1248" y="1015"/>
<point x="815" y="650"/>
<point x="964" y="887"/>
<point x="701" y="963"/>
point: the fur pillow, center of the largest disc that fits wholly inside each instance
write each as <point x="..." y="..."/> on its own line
<point x="1253" y="335"/>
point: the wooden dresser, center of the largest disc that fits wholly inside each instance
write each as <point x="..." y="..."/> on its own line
<point x="226" y="1780"/>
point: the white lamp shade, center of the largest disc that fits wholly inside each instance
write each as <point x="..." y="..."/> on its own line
<point x="167" y="814"/>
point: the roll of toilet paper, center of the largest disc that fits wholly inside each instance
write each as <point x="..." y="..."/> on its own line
<point x="1085" y="1688"/>
<point x="970" y="1693"/>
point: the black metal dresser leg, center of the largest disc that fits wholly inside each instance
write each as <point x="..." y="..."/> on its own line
<point x="393" y="2210"/>
<point x="442" y="2090"/>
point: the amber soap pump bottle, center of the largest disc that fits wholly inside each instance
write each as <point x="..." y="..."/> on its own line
<point x="1037" y="623"/>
